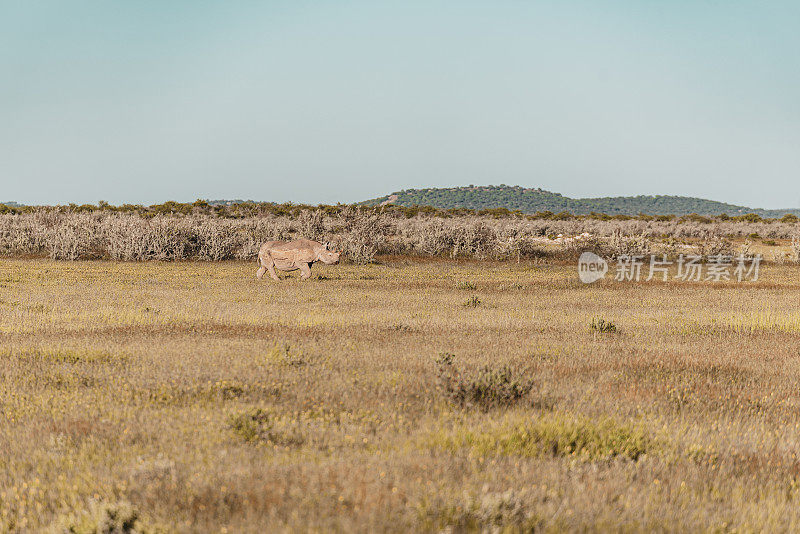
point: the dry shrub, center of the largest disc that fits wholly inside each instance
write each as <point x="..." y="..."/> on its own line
<point x="488" y="388"/>
<point x="254" y="232"/>
<point x="312" y="225"/>
<point x="323" y="430"/>
<point x="474" y="240"/>
<point x="105" y="518"/>
<point x="715" y="244"/>
<point x="795" y="254"/>
<point x="70" y="240"/>
<point x="262" y="426"/>
<point x="435" y="238"/>
<point x="516" y="243"/>
<point x="217" y="240"/>
<point x="362" y="233"/>
<point x="622" y="245"/>
<point x="508" y="511"/>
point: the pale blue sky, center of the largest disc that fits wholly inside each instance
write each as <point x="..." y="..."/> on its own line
<point x="146" y="101"/>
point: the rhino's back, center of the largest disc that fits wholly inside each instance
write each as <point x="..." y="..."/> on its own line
<point x="291" y="252"/>
<point x="296" y="245"/>
<point x="290" y="246"/>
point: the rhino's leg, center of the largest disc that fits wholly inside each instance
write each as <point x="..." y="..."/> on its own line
<point x="272" y="273"/>
<point x="263" y="261"/>
<point x="305" y="271"/>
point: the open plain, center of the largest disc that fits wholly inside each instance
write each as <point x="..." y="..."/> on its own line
<point x="398" y="396"/>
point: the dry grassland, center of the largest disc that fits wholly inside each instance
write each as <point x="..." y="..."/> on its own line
<point x="206" y="401"/>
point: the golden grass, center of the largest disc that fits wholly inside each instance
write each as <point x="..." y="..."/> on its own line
<point x="206" y="401"/>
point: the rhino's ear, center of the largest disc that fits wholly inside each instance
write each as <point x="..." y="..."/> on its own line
<point x="326" y="245"/>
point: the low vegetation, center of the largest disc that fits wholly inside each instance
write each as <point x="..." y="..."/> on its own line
<point x="106" y="518"/>
<point x="364" y="234"/>
<point x="487" y="388"/>
<point x="189" y="397"/>
<point x="472" y="302"/>
<point x="599" y="324"/>
<point x="558" y="435"/>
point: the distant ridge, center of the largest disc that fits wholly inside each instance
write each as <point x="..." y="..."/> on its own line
<point x="532" y="200"/>
<point x="229" y="203"/>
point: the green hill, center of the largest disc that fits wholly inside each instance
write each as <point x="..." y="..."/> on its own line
<point x="532" y="200"/>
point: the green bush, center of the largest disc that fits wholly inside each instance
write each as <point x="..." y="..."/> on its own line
<point x="472" y="302"/>
<point x="558" y="435"/>
<point x="601" y="325"/>
<point x="508" y="511"/>
<point x="488" y="388"/>
<point x="262" y="426"/>
<point x="106" y="518"/>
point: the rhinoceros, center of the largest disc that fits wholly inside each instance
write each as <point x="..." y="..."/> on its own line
<point x="293" y="255"/>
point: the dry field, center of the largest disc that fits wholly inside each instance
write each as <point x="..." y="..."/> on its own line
<point x="204" y="401"/>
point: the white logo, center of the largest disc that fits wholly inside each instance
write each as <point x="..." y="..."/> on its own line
<point x="591" y="267"/>
<point x="691" y="268"/>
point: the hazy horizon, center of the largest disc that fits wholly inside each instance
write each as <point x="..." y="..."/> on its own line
<point x="389" y="193"/>
<point x="313" y="102"/>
